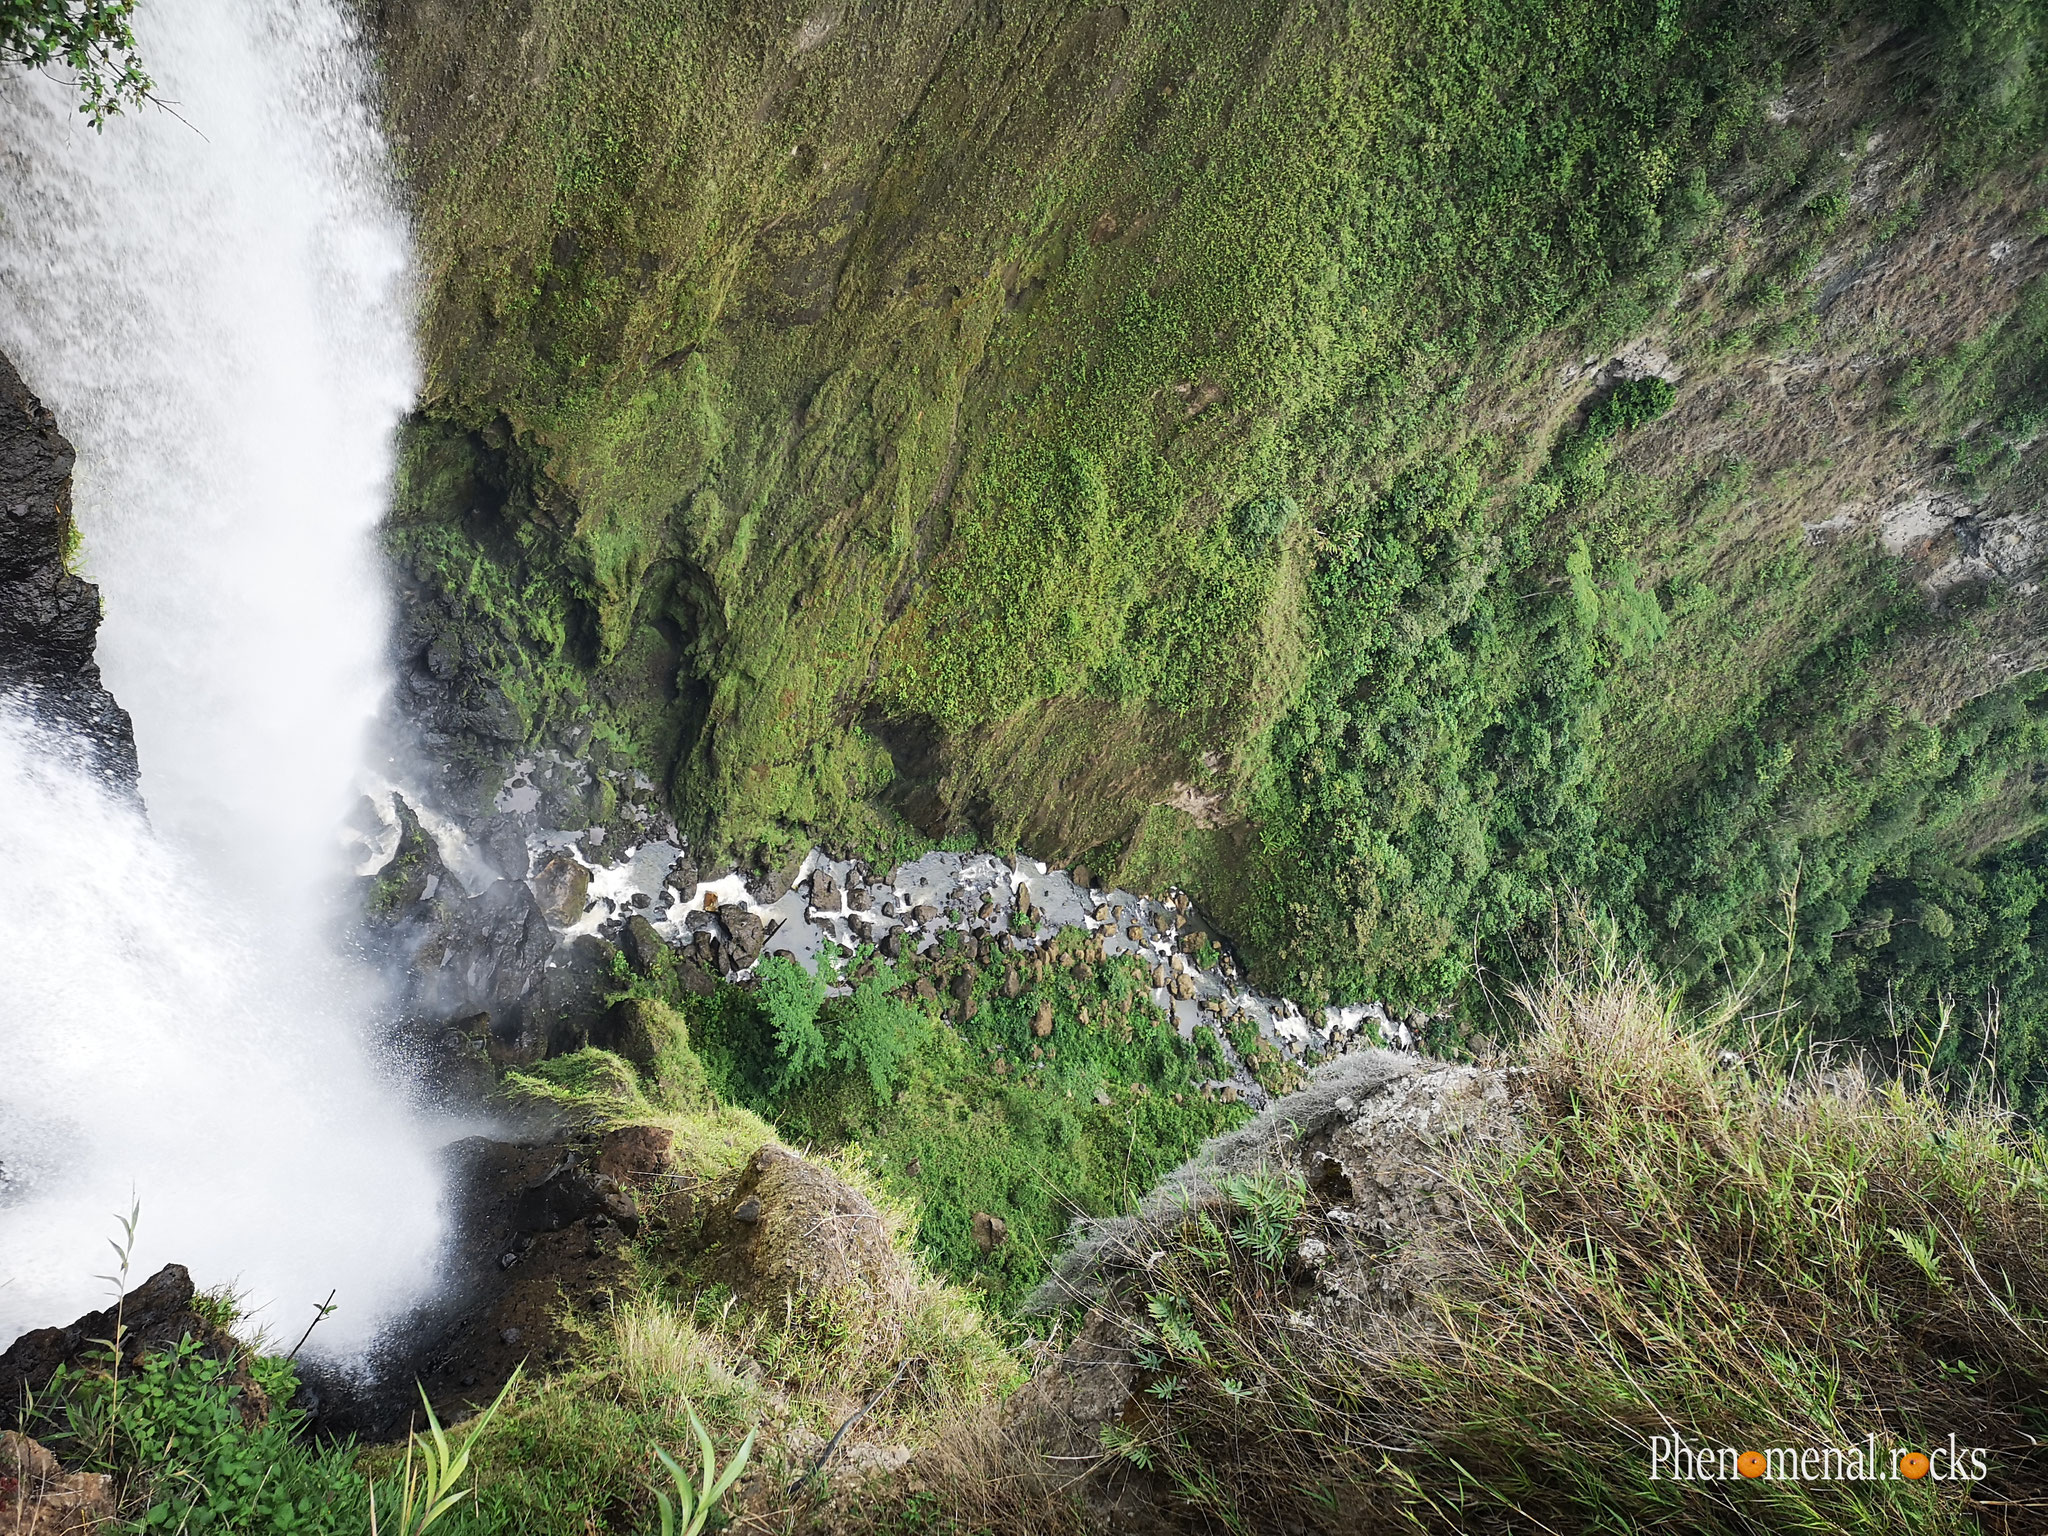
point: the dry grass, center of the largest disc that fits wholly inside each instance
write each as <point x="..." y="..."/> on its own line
<point x="1744" y="1255"/>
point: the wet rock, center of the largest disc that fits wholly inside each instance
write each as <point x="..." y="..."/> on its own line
<point x="569" y="1001"/>
<point x="645" y="949"/>
<point x="49" y="617"/>
<point x="503" y="840"/>
<point x="859" y="898"/>
<point x="824" y="891"/>
<point x="892" y="944"/>
<point x="769" y="886"/>
<point x="572" y="1191"/>
<point x="746" y="933"/>
<point x="924" y="913"/>
<point x="562" y="886"/>
<point x="482" y="954"/>
<point x="153" y="1317"/>
<point x="682" y="877"/>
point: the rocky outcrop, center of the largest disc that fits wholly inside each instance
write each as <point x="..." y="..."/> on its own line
<point x="49" y="617"/>
<point x="156" y="1316"/>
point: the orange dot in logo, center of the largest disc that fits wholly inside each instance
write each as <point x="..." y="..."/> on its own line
<point x="1750" y="1463"/>
<point x="1913" y="1465"/>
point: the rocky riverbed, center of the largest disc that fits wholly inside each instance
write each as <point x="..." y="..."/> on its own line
<point x="506" y="925"/>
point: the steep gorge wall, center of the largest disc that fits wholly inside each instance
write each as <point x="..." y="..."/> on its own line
<point x="1219" y="441"/>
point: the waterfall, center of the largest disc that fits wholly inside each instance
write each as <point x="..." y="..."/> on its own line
<point x="214" y="300"/>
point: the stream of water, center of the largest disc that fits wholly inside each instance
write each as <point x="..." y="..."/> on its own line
<point x="215" y="302"/>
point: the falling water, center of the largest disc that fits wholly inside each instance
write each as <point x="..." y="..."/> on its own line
<point x="213" y="301"/>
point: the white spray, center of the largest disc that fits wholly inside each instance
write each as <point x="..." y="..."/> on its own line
<point x="215" y="306"/>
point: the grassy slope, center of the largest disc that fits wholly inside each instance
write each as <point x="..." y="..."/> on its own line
<point x="1069" y="405"/>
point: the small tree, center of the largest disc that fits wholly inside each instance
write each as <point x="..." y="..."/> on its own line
<point x="92" y="38"/>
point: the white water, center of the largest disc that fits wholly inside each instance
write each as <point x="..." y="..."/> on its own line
<point x="217" y="311"/>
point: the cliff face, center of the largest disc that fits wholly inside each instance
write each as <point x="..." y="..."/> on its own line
<point x="49" y="617"/>
<point x="1385" y="470"/>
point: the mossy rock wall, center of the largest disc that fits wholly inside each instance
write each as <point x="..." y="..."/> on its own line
<point x="1173" y="435"/>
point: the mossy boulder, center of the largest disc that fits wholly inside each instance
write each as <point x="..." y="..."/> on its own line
<point x="655" y="1039"/>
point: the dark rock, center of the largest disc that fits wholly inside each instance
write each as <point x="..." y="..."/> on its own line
<point x="682" y="877"/>
<point x="153" y="1317"/>
<point x="746" y="932"/>
<point x="412" y="873"/>
<point x="49" y="618"/>
<point x="924" y="913"/>
<point x="1084" y="877"/>
<point x="768" y="887"/>
<point x="694" y="978"/>
<point x="892" y="943"/>
<point x="859" y="898"/>
<point x="570" y="999"/>
<point x="487" y="953"/>
<point x="824" y="890"/>
<point x="571" y="1192"/>
<point x="645" y="949"/>
<point x="748" y="1211"/>
<point x="503" y="840"/>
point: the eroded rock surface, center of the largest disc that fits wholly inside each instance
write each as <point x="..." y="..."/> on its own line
<point x="49" y="616"/>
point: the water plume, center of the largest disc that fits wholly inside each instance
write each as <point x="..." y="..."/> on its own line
<point x="215" y="304"/>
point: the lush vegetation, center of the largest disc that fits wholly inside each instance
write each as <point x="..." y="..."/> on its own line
<point x="1199" y="432"/>
<point x="1747" y="1257"/>
<point x="948" y="1091"/>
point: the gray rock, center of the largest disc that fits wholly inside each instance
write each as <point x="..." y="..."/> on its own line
<point x="682" y="877"/>
<point x="746" y="932"/>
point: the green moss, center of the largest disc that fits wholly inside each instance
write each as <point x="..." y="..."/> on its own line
<point x="1019" y="438"/>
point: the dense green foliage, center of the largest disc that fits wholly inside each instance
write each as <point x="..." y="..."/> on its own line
<point x="94" y="39"/>
<point x="173" y="1431"/>
<point x="1091" y="411"/>
<point x="975" y="1115"/>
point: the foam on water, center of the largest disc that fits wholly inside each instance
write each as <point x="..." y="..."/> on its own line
<point x="216" y="306"/>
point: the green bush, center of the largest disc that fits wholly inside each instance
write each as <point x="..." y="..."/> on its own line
<point x="171" y="1432"/>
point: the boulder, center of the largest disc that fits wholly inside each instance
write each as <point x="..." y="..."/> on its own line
<point x="990" y="1232"/>
<point x="644" y="948"/>
<point x="824" y="891"/>
<point x="746" y="932"/>
<point x="859" y="898"/>
<point x="791" y="1229"/>
<point x="562" y="886"/>
<point x="682" y="877"/>
<point x="1041" y="1024"/>
<point x="50" y="617"/>
<point x="636" y="1152"/>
